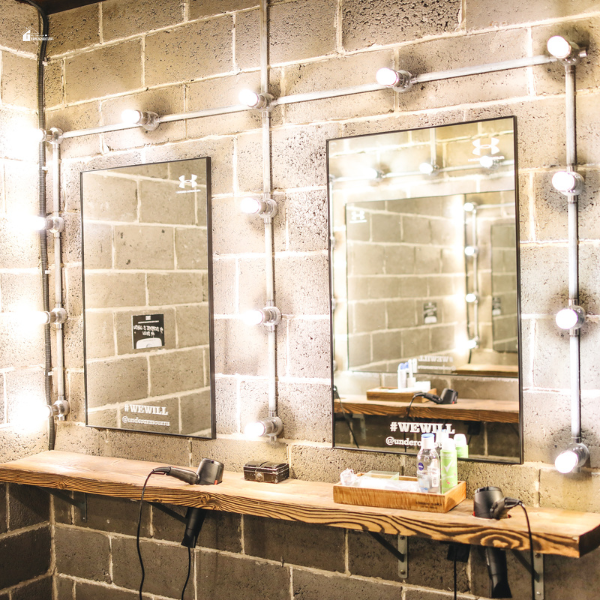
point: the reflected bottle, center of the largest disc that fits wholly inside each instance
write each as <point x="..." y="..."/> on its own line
<point x="428" y="465"/>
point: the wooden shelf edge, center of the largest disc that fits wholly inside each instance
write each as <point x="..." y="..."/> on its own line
<point x="566" y="533"/>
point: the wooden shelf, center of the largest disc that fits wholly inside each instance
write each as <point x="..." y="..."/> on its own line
<point x="490" y="411"/>
<point x="560" y="532"/>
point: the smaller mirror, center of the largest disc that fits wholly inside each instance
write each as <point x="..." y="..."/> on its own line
<point x="148" y="321"/>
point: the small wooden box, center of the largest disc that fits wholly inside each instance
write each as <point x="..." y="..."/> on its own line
<point x="343" y="494"/>
<point x="393" y="395"/>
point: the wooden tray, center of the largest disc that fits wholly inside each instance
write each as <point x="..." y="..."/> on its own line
<point x="440" y="503"/>
<point x="394" y="395"/>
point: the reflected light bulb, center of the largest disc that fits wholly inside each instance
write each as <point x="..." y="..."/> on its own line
<point x="559" y="47"/>
<point x="471" y="298"/>
<point x="253" y="317"/>
<point x="472" y="343"/>
<point x="29" y="414"/>
<point x="563" y="181"/>
<point x="255" y="429"/>
<point x="566" y="461"/>
<point x="39" y="135"/>
<point x="567" y="318"/>
<point x="29" y="222"/>
<point x="469" y="206"/>
<point x="372" y="173"/>
<point x="426" y="168"/>
<point x="471" y="250"/>
<point x="487" y="162"/>
<point x="387" y="77"/>
<point x="249" y="98"/>
<point x="250" y="205"/>
<point x="131" y="116"/>
<point x="39" y="317"/>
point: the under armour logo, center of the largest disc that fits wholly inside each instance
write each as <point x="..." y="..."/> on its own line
<point x="191" y="181"/>
<point x="358" y="216"/>
<point x="492" y="146"/>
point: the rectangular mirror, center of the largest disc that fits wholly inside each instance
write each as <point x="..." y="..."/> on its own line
<point x="147" y="285"/>
<point x="424" y="264"/>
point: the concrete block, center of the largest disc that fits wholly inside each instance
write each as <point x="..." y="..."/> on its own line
<point x="36" y="590"/>
<point x="115" y="515"/>
<point x="19" y="80"/>
<point x="226" y="405"/>
<point x="23" y="351"/>
<point x="249" y="162"/>
<point x="147" y="446"/>
<point x="305" y="411"/>
<point x="220" y="531"/>
<point x="73" y="284"/>
<point x="18" y="250"/>
<point x="297" y="30"/>
<point x="98" y="240"/>
<point x="485" y="14"/>
<point x="140" y="16"/>
<point x="233" y="231"/>
<point x="309" y="348"/>
<point x="309" y="585"/>
<point x="193" y="325"/>
<point x="81" y="553"/>
<point x="65" y="588"/>
<point x="111" y="290"/>
<point x="20" y="195"/>
<point x="106" y="418"/>
<point x="191" y="248"/>
<point x="28" y="555"/>
<point x="140" y="247"/>
<point x="324" y="463"/>
<point x="158" y="558"/>
<point x="174" y="288"/>
<point x="16" y="19"/>
<point x="13" y="122"/>
<point x="301" y="152"/>
<point x="577" y="491"/>
<point x="565" y="576"/>
<point x="219" y="150"/>
<point x="163" y="101"/>
<point x="185" y="53"/>
<point x="314" y="545"/>
<point x="78" y="27"/>
<point x="394" y="21"/>
<point x="550" y="355"/>
<point x="219" y="575"/>
<point x="123" y="325"/>
<point x="24" y="391"/>
<point x="338" y="73"/>
<point x="107" y="198"/>
<point x="74" y="437"/>
<point x="238" y="451"/>
<point x="224" y="276"/>
<point x="302" y="285"/>
<point x="109" y="70"/>
<point x="239" y="348"/>
<point x="200" y="8"/>
<point x="159" y="204"/>
<point x="195" y="410"/>
<point x="176" y="372"/>
<point x="76" y="395"/>
<point x="121" y="380"/>
<point x="89" y="591"/>
<point x="27" y="506"/>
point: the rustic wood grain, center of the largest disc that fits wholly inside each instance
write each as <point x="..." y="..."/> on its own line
<point x="566" y="533"/>
<point x="489" y="370"/>
<point x="394" y="395"/>
<point x="441" y="503"/>
<point x="490" y="411"/>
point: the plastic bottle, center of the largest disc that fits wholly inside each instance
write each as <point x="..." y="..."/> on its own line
<point x="449" y="465"/>
<point x="460" y="441"/>
<point x="428" y="465"/>
<point x="402" y="373"/>
<point x="440" y="436"/>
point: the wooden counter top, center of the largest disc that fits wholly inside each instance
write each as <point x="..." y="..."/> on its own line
<point x="491" y="411"/>
<point x="561" y="532"/>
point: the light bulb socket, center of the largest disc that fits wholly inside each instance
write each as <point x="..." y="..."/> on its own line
<point x="571" y="318"/>
<point x="56" y="136"/>
<point x="271" y="316"/>
<point x="575" y="52"/>
<point x="273" y="426"/>
<point x="402" y="82"/>
<point x="263" y="102"/>
<point x="471" y="250"/>
<point x="265" y="208"/>
<point x="582" y="455"/>
<point x="61" y="408"/>
<point x="55" y="224"/>
<point x="57" y="316"/>
<point x="146" y="119"/>
<point x="473" y="343"/>
<point x="472" y="298"/>
<point x="569" y="183"/>
<point x="470" y="206"/>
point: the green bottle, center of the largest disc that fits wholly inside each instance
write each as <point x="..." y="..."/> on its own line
<point x="449" y="466"/>
<point x="460" y="441"/>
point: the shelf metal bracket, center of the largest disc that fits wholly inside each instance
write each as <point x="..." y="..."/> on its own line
<point x="169" y="512"/>
<point x="401" y="553"/>
<point x="538" y="572"/>
<point x="80" y="505"/>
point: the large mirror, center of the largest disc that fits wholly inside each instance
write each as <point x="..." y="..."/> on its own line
<point x="425" y="287"/>
<point x="148" y="327"/>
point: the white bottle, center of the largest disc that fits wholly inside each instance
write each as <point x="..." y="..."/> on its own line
<point x="428" y="465"/>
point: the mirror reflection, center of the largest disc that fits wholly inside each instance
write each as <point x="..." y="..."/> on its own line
<point x="147" y="310"/>
<point x="424" y="262"/>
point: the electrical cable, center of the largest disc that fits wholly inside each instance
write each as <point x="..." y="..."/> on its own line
<point x="188" y="573"/>
<point x="455" y="578"/>
<point x="139" y="527"/>
<point x="530" y="550"/>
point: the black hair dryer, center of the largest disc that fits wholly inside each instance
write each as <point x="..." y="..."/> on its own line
<point x="210" y="472"/>
<point x="447" y="396"/>
<point x="490" y="503"/>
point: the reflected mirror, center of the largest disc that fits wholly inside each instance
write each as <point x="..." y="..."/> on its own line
<point x="148" y="331"/>
<point x="425" y="287"/>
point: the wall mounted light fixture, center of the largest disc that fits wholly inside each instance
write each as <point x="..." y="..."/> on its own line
<point x="272" y="426"/>
<point x="565" y="50"/>
<point x="473" y="343"/>
<point x="268" y="316"/>
<point x="148" y="120"/>
<point x="253" y="99"/>
<point x="572" y="317"/>
<point x="469" y="206"/>
<point x="254" y="205"/>
<point x="400" y="81"/>
<point x="572" y="459"/>
<point x="568" y="183"/>
<point x="471" y="250"/>
<point x="470" y="298"/>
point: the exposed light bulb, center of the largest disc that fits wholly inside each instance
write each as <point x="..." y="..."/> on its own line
<point x="387" y="77"/>
<point x="566" y="461"/>
<point x="372" y="173"/>
<point x="131" y="117"/>
<point x="426" y="168"/>
<point x="39" y="317"/>
<point x="471" y="250"/>
<point x="270" y="315"/>
<point x="253" y="99"/>
<point x="257" y="429"/>
<point x="29" y="414"/>
<point x="559" y="47"/>
<point x="487" y="162"/>
<point x="473" y="343"/>
<point x="572" y="317"/>
<point x="253" y="317"/>
<point x="250" y="205"/>
<point x="470" y="298"/>
<point x="469" y="206"/>
<point x="568" y="182"/>
<point x="39" y="135"/>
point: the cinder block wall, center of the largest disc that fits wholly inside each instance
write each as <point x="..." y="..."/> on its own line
<point x="171" y="56"/>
